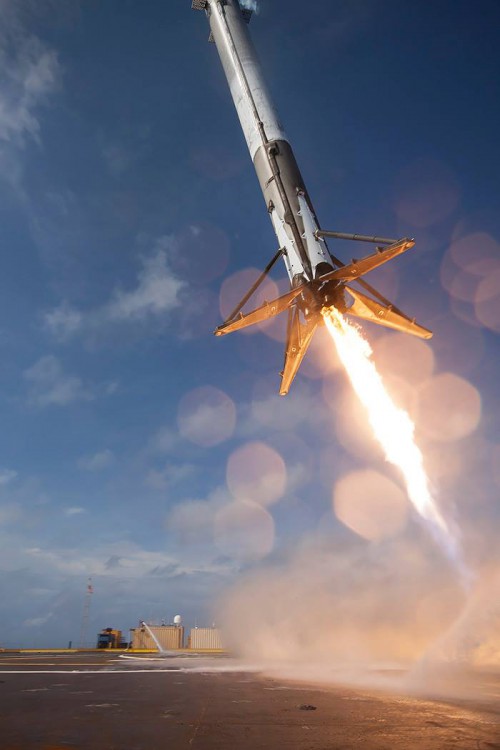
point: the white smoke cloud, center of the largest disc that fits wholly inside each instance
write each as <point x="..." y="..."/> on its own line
<point x="346" y="603"/>
<point x="337" y="610"/>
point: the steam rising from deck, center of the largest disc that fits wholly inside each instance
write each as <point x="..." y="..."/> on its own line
<point x="392" y="426"/>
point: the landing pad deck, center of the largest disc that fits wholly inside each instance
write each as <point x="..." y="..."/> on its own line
<point x="103" y="702"/>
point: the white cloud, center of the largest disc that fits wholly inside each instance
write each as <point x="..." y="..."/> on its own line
<point x="302" y="407"/>
<point x="7" y="476"/>
<point x="97" y="461"/>
<point x="49" y="385"/>
<point x="163" y="441"/>
<point x="193" y="520"/>
<point x="29" y="74"/>
<point x="73" y="511"/>
<point x="35" y="622"/>
<point x="63" y="321"/>
<point x="155" y="294"/>
<point x="250" y="4"/>
<point x="40" y="591"/>
<point x="120" y="560"/>
<point x="171" y="475"/>
<point x="118" y="159"/>
<point x="10" y="513"/>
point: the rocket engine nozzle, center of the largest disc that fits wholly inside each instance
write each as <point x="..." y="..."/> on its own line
<point x="317" y="294"/>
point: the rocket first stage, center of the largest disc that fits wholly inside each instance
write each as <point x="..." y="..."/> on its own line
<point x="318" y="279"/>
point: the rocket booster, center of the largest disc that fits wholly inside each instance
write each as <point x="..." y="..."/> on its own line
<point x="272" y="155"/>
<point x="318" y="279"/>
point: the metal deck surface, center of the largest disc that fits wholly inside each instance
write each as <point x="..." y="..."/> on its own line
<point x="103" y="702"/>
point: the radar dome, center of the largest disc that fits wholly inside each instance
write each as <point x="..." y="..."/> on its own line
<point x="177" y="620"/>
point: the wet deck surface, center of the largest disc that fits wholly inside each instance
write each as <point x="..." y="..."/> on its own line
<point x="98" y="701"/>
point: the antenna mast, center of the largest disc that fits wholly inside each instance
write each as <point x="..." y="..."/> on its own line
<point x="85" y="614"/>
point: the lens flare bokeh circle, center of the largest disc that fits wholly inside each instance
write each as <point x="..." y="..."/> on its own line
<point x="370" y="504"/>
<point x="256" y="472"/>
<point x="448" y="407"/>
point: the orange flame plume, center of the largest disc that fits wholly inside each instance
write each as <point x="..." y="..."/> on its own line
<point x="391" y="426"/>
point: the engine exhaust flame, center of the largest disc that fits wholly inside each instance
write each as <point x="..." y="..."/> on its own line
<point x="392" y="426"/>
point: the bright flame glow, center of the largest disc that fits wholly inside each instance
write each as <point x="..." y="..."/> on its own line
<point x="392" y="426"/>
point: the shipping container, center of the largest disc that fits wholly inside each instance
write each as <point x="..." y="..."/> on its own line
<point x="168" y="636"/>
<point x="205" y="638"/>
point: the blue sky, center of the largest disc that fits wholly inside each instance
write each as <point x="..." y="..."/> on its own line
<point x="133" y="442"/>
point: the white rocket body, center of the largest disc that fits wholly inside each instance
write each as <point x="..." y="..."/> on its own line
<point x="306" y="257"/>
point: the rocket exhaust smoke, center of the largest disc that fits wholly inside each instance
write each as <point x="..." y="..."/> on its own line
<point x="391" y="426"/>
